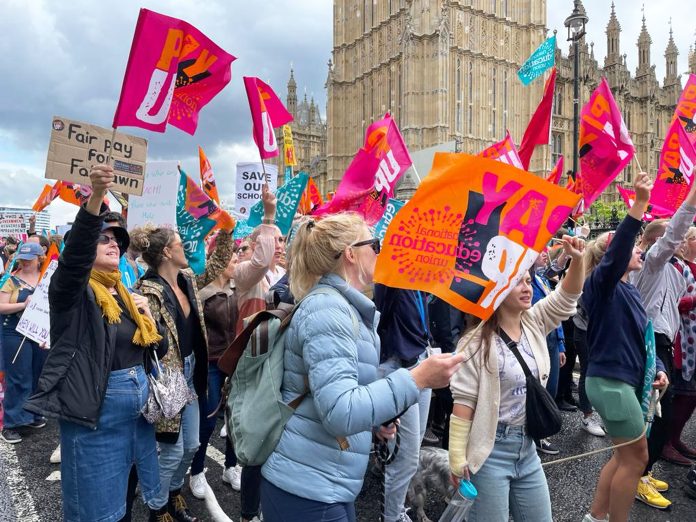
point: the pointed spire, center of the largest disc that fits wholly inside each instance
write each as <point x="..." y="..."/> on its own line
<point x="613" y="31"/>
<point x="613" y="21"/>
<point x="291" y="81"/>
<point x="644" y="35"/>
<point x="671" y="46"/>
<point x="644" y="42"/>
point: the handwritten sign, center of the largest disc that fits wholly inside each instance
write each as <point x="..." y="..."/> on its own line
<point x="249" y="181"/>
<point x="35" y="323"/>
<point x="157" y="205"/>
<point x="76" y="146"/>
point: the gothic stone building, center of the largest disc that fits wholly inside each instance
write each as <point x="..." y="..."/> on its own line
<point x="447" y="71"/>
<point x="309" y="135"/>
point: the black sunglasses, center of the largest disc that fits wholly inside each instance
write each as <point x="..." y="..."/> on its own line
<point x="244" y="248"/>
<point x="374" y="243"/>
<point x="105" y="239"/>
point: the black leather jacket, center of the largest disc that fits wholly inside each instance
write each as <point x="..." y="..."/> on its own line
<point x="74" y="378"/>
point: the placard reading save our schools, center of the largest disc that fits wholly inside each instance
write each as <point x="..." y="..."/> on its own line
<point x="249" y="181"/>
<point x="76" y="146"/>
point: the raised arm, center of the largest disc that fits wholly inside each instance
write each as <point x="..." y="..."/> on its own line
<point x="218" y="260"/>
<point x="75" y="263"/>
<point x="677" y="227"/>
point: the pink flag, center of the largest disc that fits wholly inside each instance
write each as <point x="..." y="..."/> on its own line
<point x="538" y="129"/>
<point x="371" y="177"/>
<point x="686" y="109"/>
<point x="504" y="151"/>
<point x="605" y="145"/>
<point x="675" y="174"/>
<point x="173" y="71"/>
<point x="556" y="173"/>
<point x="653" y="212"/>
<point x="267" y="113"/>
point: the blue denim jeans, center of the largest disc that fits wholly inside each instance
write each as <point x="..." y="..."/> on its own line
<point x="399" y="473"/>
<point x="175" y="459"/>
<point x="281" y="506"/>
<point x="21" y="376"/>
<point x="511" y="481"/>
<point x="207" y="425"/>
<point x="95" y="463"/>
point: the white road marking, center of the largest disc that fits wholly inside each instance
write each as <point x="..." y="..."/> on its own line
<point x="216" y="455"/>
<point x="54" y="476"/>
<point x="21" y="497"/>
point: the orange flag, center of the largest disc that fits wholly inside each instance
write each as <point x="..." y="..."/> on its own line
<point x="468" y="239"/>
<point x="556" y="173"/>
<point x="44" y="199"/>
<point x="52" y="254"/>
<point x="311" y="198"/>
<point x="207" y="178"/>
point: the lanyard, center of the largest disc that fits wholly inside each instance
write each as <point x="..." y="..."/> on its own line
<point x="421" y="312"/>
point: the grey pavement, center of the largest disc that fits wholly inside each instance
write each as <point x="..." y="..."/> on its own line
<point x="30" y="489"/>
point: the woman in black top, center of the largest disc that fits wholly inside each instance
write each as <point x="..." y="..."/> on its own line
<point x="94" y="378"/>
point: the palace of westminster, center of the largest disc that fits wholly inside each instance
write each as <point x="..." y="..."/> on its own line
<point x="447" y="72"/>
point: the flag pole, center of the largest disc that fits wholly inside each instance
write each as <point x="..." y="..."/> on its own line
<point x="19" y="350"/>
<point x="111" y="147"/>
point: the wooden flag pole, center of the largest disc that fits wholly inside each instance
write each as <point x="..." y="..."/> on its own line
<point x="111" y="147"/>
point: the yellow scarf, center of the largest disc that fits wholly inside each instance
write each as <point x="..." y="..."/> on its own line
<point x="146" y="332"/>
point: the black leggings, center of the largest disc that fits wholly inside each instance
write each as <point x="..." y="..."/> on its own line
<point x="661" y="428"/>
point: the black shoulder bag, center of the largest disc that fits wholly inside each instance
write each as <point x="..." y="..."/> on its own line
<point x="543" y="416"/>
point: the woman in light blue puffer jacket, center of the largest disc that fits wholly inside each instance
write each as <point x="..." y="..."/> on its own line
<point x="317" y="469"/>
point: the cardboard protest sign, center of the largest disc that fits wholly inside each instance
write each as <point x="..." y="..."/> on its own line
<point x="469" y="238"/>
<point x="13" y="225"/>
<point x="157" y="205"/>
<point x="35" y="321"/>
<point x="249" y="181"/>
<point x="76" y="146"/>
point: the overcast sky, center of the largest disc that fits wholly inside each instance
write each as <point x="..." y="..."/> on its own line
<point x="68" y="59"/>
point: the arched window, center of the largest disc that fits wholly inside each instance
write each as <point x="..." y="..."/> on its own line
<point x="458" y="95"/>
<point x="494" y="103"/>
<point x="470" y="100"/>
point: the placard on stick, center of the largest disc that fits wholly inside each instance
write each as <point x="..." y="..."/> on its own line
<point x="76" y="146"/>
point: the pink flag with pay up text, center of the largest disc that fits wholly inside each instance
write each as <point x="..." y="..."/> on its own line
<point x="267" y="113"/>
<point x="605" y="145"/>
<point x="173" y="71"/>
<point x="371" y="177"/>
<point x="504" y="151"/>
<point x="675" y="175"/>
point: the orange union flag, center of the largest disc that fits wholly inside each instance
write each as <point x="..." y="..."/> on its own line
<point x="469" y="238"/>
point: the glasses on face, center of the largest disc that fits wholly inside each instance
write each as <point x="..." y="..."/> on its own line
<point x="105" y="239"/>
<point x="244" y="248"/>
<point x="373" y="243"/>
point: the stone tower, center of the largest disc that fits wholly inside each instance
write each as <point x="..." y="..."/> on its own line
<point x="291" y="100"/>
<point x="445" y="70"/>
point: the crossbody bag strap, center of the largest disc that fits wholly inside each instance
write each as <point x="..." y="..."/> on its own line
<point x="515" y="351"/>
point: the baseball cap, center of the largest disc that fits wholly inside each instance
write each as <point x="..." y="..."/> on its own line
<point x="29" y="251"/>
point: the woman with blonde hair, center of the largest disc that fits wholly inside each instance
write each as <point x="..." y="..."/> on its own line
<point x="332" y="355"/>
<point x="617" y="364"/>
<point x="489" y="440"/>
<point x="22" y="366"/>
<point x="684" y="373"/>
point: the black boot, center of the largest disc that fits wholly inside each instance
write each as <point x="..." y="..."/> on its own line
<point x="160" y="515"/>
<point x="179" y="508"/>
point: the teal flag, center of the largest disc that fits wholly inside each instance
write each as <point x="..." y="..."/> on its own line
<point x="649" y="375"/>
<point x="540" y="60"/>
<point x="242" y="229"/>
<point x="196" y="216"/>
<point x="393" y="206"/>
<point x="288" y="196"/>
<point x="288" y="173"/>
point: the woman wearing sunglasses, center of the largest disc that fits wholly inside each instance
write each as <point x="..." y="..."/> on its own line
<point x="332" y="355"/>
<point x="94" y="378"/>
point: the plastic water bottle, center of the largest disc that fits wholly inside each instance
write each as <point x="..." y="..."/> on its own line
<point x="462" y="500"/>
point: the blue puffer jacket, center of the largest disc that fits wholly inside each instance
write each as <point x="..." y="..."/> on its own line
<point x="347" y="398"/>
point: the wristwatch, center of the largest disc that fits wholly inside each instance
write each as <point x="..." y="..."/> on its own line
<point x="267" y="221"/>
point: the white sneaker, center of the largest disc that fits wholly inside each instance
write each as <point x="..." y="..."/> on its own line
<point x="199" y="485"/>
<point x="223" y="431"/>
<point x="592" y="427"/>
<point x="233" y="476"/>
<point x="55" y="456"/>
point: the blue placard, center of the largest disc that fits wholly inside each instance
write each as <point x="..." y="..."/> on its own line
<point x="540" y="60"/>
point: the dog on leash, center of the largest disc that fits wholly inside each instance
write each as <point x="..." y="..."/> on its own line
<point x="433" y="475"/>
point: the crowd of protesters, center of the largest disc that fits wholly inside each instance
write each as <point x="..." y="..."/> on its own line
<point x="362" y="363"/>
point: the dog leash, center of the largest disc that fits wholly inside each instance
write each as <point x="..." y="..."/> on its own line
<point x="650" y="417"/>
<point x="386" y="457"/>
